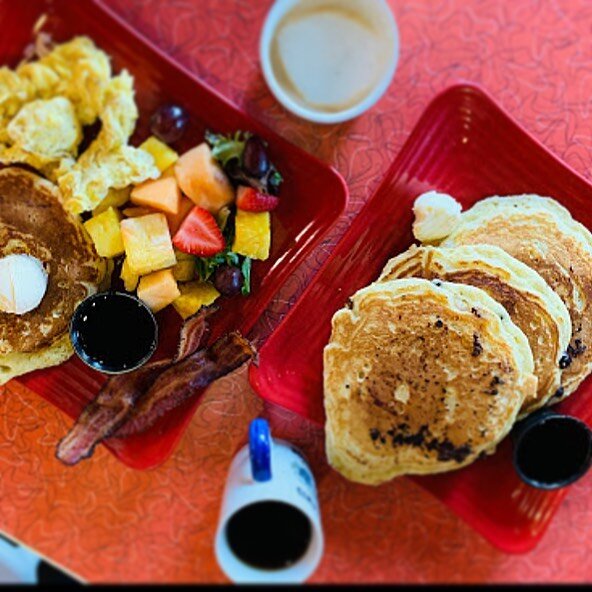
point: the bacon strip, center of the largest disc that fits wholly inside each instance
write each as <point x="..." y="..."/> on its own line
<point x="102" y="416"/>
<point x="194" y="333"/>
<point x="115" y="401"/>
<point x="180" y="381"/>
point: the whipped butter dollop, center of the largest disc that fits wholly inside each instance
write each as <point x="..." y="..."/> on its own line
<point x="436" y="216"/>
<point x="23" y="283"/>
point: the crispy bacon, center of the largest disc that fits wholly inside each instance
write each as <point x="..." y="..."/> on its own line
<point x="177" y="383"/>
<point x="194" y="333"/>
<point x="102" y="416"/>
<point x="112" y="406"/>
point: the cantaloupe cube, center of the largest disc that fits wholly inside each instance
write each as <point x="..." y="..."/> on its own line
<point x="137" y="211"/>
<point x="105" y="233"/>
<point x="252" y="234"/>
<point x="130" y="279"/>
<point x="115" y="198"/>
<point x="158" y="289"/>
<point x="161" y="194"/>
<point x="202" y="179"/>
<point x="175" y="220"/>
<point x="193" y="296"/>
<point x="148" y="244"/>
<point x="170" y="172"/>
<point x="164" y="156"/>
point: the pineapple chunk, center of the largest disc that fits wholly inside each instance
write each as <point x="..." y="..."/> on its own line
<point x="183" y="256"/>
<point x="184" y="271"/>
<point x="105" y="233"/>
<point x="193" y="296"/>
<point x="158" y="289"/>
<point x="148" y="244"/>
<point x="163" y="155"/>
<point x="186" y="266"/>
<point x="115" y="198"/>
<point x="252" y="237"/>
<point x="130" y="279"/>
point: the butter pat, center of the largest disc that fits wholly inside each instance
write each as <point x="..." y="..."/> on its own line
<point x="23" y="283"/>
<point x="436" y="216"/>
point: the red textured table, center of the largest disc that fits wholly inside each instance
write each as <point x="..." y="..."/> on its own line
<point x="108" y="523"/>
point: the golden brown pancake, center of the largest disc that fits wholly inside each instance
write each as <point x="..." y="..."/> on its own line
<point x="532" y="305"/>
<point x="421" y="377"/>
<point x="542" y="234"/>
<point x="18" y="363"/>
<point x="33" y="221"/>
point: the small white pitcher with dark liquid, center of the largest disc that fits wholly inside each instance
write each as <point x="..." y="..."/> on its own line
<point x="270" y="526"/>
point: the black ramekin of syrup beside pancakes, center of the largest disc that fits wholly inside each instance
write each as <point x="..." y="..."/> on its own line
<point x="114" y="332"/>
<point x="551" y="450"/>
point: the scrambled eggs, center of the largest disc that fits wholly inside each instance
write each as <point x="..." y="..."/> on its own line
<point x="61" y="135"/>
<point x="44" y="105"/>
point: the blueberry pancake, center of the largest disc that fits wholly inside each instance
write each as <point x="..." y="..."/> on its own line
<point x="533" y="306"/>
<point x="421" y="377"/>
<point x="542" y="234"/>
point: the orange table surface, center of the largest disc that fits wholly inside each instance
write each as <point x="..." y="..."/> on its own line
<point x="108" y="523"/>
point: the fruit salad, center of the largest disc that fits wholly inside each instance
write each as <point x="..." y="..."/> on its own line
<point x="190" y="236"/>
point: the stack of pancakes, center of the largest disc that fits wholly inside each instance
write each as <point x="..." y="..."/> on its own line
<point x="33" y="222"/>
<point x="429" y="367"/>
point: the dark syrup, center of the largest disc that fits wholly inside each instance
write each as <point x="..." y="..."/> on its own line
<point x="113" y="332"/>
<point x="269" y="535"/>
<point x="553" y="452"/>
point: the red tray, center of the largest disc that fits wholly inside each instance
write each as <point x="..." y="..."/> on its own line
<point x="465" y="145"/>
<point x="297" y="225"/>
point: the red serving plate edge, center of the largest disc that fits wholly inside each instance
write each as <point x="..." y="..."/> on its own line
<point x="340" y="202"/>
<point x="466" y="513"/>
<point x="179" y="66"/>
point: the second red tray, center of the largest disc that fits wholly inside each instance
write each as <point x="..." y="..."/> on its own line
<point x="467" y="146"/>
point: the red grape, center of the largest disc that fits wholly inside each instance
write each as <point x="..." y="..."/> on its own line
<point x="168" y="123"/>
<point x="255" y="159"/>
<point x="228" y="280"/>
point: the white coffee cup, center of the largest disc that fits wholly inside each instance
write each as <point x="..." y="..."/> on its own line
<point x="269" y="529"/>
<point x="376" y="12"/>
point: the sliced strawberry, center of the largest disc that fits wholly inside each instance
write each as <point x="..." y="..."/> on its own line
<point x="199" y="234"/>
<point x="251" y="200"/>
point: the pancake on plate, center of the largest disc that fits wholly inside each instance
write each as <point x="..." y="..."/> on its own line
<point x="33" y="222"/>
<point x="542" y="234"/>
<point x="533" y="306"/>
<point x="421" y="377"/>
